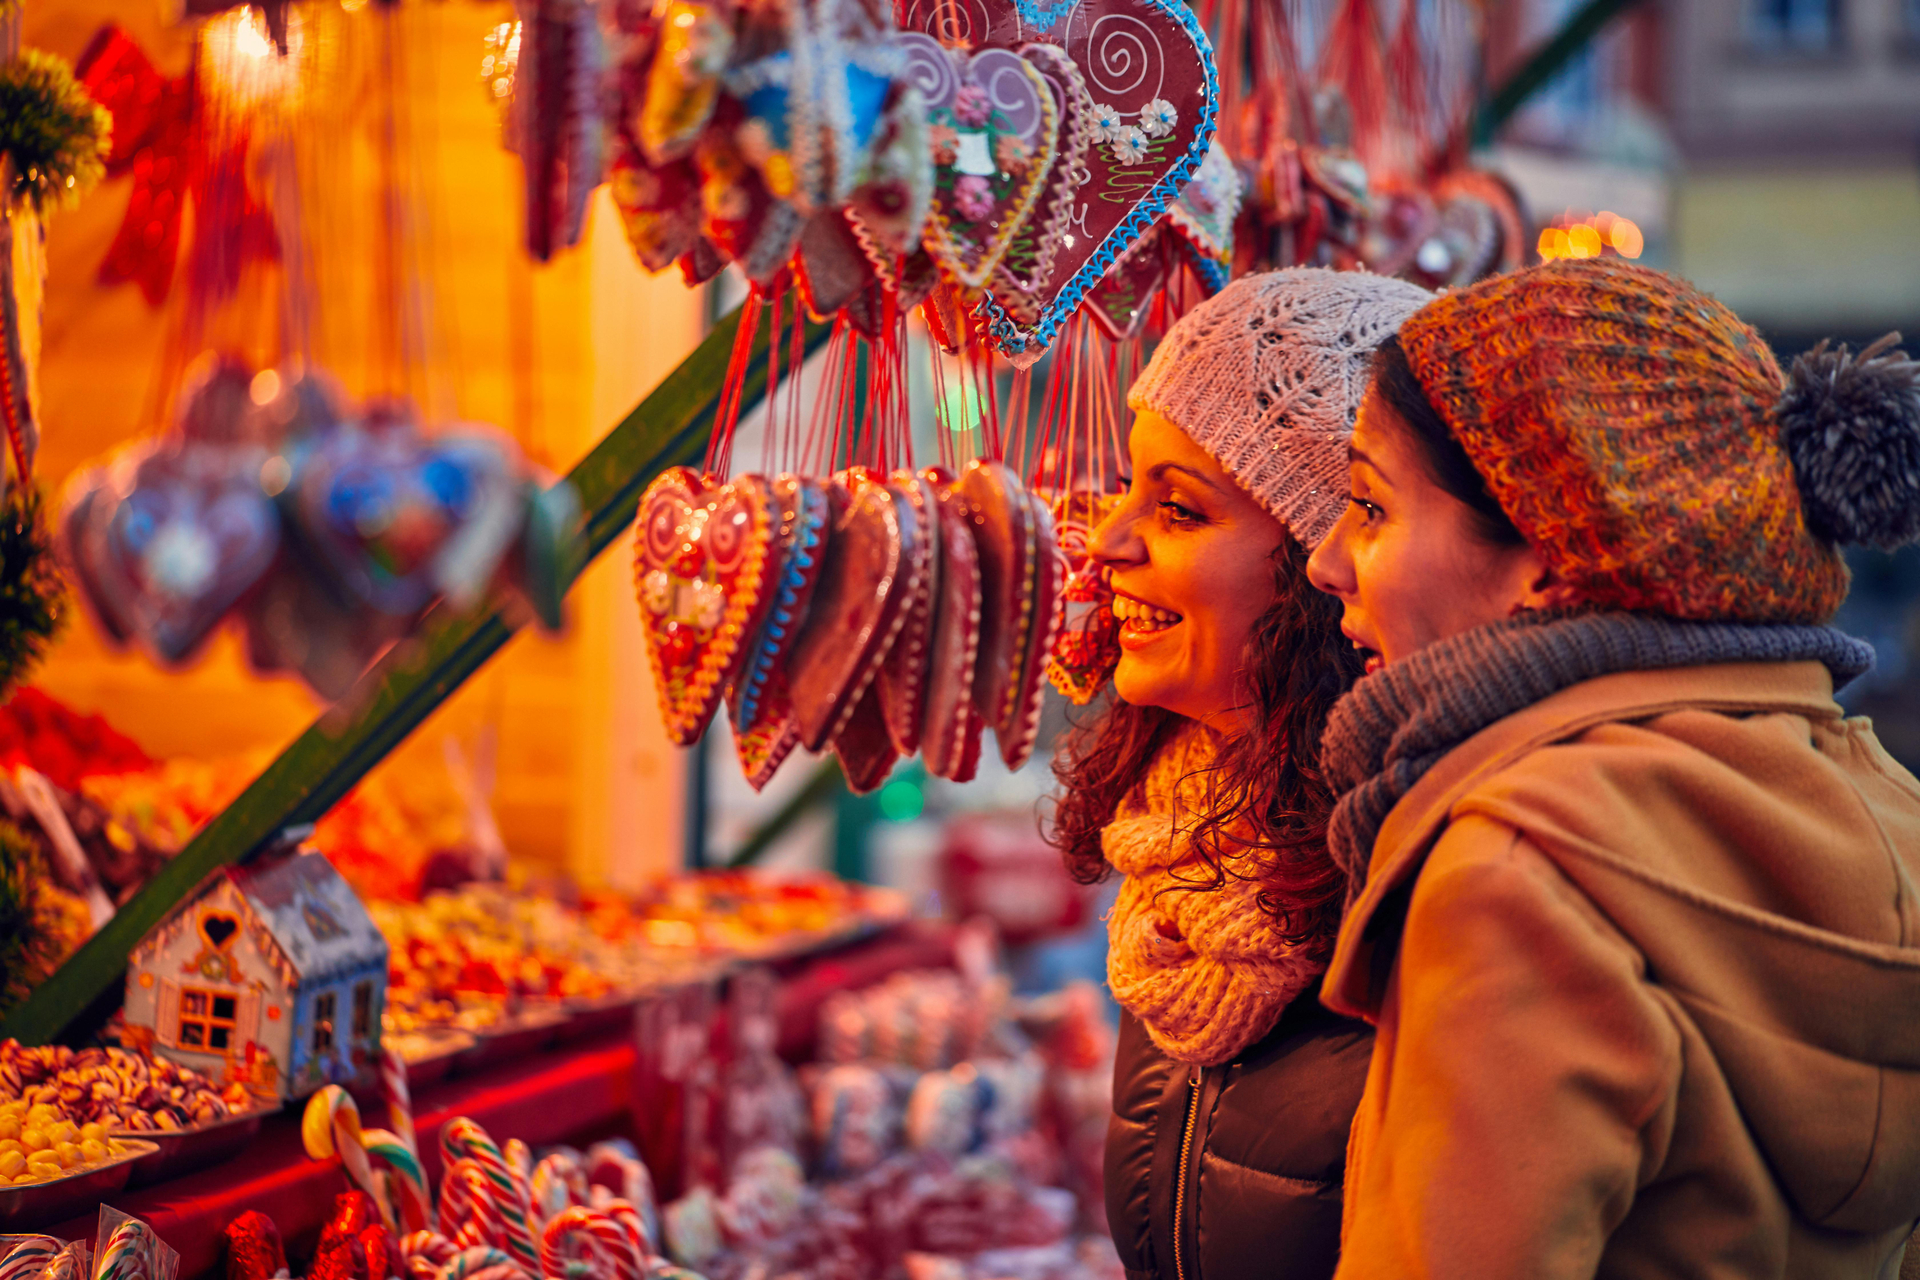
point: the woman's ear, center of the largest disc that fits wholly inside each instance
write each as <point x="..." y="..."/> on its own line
<point x="1544" y="588"/>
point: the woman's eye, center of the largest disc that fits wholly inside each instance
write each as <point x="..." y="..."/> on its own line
<point x="1126" y="484"/>
<point x="1180" y="514"/>
<point x="1368" y="509"/>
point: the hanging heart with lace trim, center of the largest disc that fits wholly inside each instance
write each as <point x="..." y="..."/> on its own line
<point x="1149" y="71"/>
<point x="993" y="127"/>
<point x="702" y="574"/>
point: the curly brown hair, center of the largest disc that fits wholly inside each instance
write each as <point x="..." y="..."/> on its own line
<point x="1268" y="802"/>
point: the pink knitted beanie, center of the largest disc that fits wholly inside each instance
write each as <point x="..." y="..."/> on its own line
<point x="1266" y="377"/>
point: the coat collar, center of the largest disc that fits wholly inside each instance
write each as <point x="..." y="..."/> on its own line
<point x="1369" y="935"/>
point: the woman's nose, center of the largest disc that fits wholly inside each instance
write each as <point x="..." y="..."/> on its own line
<point x="1113" y="542"/>
<point x="1330" y="568"/>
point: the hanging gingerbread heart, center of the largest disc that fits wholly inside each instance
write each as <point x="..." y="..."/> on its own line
<point x="764" y="747"/>
<point x="561" y="132"/>
<point x="1020" y="278"/>
<point x="950" y="729"/>
<point x="902" y="682"/>
<point x="659" y="206"/>
<point x="1124" y="298"/>
<point x="1027" y="687"/>
<point x="993" y="128"/>
<point x="1202" y="219"/>
<point x="701" y="572"/>
<point x="801" y="544"/>
<point x="855" y="612"/>
<point x="1003" y="536"/>
<point x="1149" y="70"/>
<point x="865" y="750"/>
<point x="1086" y="646"/>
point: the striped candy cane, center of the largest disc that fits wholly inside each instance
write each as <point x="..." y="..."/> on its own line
<point x="423" y="1253"/>
<point x="469" y="1263"/>
<point x="596" y="1238"/>
<point x="630" y="1218"/>
<point x="555" y="1184"/>
<point x="393" y="1087"/>
<point x="331" y="1126"/>
<point x="469" y="1210"/>
<point x="29" y="1257"/>
<point x="411" y="1201"/>
<point x="461" y="1137"/>
<point x="128" y="1254"/>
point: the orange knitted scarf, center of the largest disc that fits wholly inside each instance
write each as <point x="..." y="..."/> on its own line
<point x="1203" y="969"/>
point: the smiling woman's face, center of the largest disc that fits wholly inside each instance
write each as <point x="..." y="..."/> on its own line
<point x="1407" y="559"/>
<point x="1189" y="554"/>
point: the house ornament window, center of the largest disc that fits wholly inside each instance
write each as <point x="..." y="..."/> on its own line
<point x="207" y="1019"/>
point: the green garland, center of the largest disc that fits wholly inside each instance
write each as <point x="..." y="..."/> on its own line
<point x="32" y="590"/>
<point x="40" y="924"/>
<point x="54" y="132"/>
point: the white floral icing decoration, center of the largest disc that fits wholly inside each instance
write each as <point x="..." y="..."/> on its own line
<point x="1158" y="118"/>
<point x="1129" y="145"/>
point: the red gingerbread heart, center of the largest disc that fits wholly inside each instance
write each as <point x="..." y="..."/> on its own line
<point x="1149" y="71"/>
<point x="1003" y="535"/>
<point x="902" y="682"/>
<point x="702" y="574"/>
<point x="864" y="749"/>
<point x="1019" y="724"/>
<point x="950" y="728"/>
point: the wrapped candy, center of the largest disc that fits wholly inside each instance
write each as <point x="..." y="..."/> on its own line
<point x="254" y="1251"/>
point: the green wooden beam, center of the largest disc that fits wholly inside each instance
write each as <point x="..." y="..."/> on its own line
<point x="1546" y="62"/>
<point x="669" y="428"/>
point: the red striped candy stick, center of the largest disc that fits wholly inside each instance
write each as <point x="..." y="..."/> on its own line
<point x="628" y="1216"/>
<point x="595" y="1236"/>
<point x="462" y="1137"/>
<point x="393" y="1086"/>
<point x="478" y="1208"/>
<point x="29" y="1257"/>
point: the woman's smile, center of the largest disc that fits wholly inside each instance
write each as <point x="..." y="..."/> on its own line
<point x="1141" y="623"/>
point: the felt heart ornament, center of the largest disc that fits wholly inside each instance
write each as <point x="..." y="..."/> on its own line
<point x="854" y="615"/>
<point x="800" y="542"/>
<point x="702" y="575"/>
<point x="1003" y="536"/>
<point x="1019" y="724"/>
<point x="1149" y="71"/>
<point x="397" y="518"/>
<point x="950" y="732"/>
<point x="902" y="682"/>
<point x="1201" y="219"/>
<point x="764" y="747"/>
<point x="1020" y="278"/>
<point x="865" y="749"/>
<point x="993" y="128"/>
<point x="1122" y="301"/>
<point x="190" y="534"/>
<point x="1086" y="645"/>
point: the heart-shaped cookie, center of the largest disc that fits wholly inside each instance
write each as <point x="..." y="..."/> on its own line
<point x="1203" y="216"/>
<point x="189" y="534"/>
<point x="701" y="572"/>
<point x="1122" y="301"/>
<point x="800" y="541"/>
<point x="864" y="747"/>
<point x="854" y="615"/>
<point x="950" y="732"/>
<point x="763" y="748"/>
<point x="1020" y="278"/>
<point x="902" y="683"/>
<point x="1086" y="645"/>
<point x="1149" y="71"/>
<point x="1003" y="535"/>
<point x="993" y="128"/>
<point x="1027" y="688"/>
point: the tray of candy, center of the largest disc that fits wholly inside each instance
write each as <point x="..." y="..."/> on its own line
<point x="75" y="1191"/>
<point x="511" y="1037"/>
<point x="194" y="1147"/>
<point x="429" y="1052"/>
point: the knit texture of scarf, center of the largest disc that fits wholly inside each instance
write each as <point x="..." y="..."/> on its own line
<point x="1202" y="968"/>
<point x="1403" y="719"/>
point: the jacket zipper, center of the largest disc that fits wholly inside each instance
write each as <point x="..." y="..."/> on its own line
<point x="1180" y="1181"/>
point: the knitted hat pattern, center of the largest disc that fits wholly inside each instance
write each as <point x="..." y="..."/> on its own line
<point x="1266" y="376"/>
<point x="1626" y="423"/>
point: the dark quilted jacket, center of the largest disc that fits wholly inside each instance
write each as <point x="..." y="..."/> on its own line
<point x="1265" y="1155"/>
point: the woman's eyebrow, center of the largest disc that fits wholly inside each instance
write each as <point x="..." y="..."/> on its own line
<point x="1159" y="473"/>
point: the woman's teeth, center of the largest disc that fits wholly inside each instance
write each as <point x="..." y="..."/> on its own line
<point x="1142" y="617"/>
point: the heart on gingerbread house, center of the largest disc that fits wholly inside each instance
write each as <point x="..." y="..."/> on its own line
<point x="1149" y="71"/>
<point x="700" y="570"/>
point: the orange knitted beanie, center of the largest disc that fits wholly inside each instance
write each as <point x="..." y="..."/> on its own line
<point x="1629" y="426"/>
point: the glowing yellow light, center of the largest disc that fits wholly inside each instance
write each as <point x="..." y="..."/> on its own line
<point x="1553" y="243"/>
<point x="264" y="387"/>
<point x="1583" y="241"/>
<point x="1625" y="238"/>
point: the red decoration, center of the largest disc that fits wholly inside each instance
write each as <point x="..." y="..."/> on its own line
<point x="160" y="138"/>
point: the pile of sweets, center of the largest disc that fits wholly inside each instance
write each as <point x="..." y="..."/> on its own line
<point x="739" y="914"/>
<point x="115" y="1088"/>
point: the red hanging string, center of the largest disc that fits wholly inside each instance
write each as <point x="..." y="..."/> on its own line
<point x="1353" y="63"/>
<point x="727" y="417"/>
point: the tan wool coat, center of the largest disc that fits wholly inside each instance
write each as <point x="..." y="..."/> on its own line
<point x="1644" y="960"/>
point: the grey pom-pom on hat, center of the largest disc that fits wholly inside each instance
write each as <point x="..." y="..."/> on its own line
<point x="1851" y="424"/>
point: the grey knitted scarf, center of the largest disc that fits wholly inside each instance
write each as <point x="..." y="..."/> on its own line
<point x="1400" y="721"/>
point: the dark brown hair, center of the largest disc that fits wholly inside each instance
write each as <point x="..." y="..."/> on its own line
<point x="1266" y="817"/>
<point x="1441" y="456"/>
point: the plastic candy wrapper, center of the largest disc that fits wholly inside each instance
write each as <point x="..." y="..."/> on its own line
<point x="33" y="1257"/>
<point x="254" y="1251"/>
<point x="125" y="1248"/>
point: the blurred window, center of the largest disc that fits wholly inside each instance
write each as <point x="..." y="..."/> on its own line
<point x="1798" y="26"/>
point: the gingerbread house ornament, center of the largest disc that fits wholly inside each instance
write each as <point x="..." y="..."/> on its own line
<point x="272" y="974"/>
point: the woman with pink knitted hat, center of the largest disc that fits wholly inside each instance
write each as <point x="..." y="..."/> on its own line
<point x="1637" y="906"/>
<point x="1233" y="1087"/>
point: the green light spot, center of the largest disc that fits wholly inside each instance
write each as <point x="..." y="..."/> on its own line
<point x="902" y="800"/>
<point x="961" y="408"/>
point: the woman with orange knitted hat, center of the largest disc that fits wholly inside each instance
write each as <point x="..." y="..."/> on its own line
<point x="1637" y="907"/>
<point x="1233" y="1086"/>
